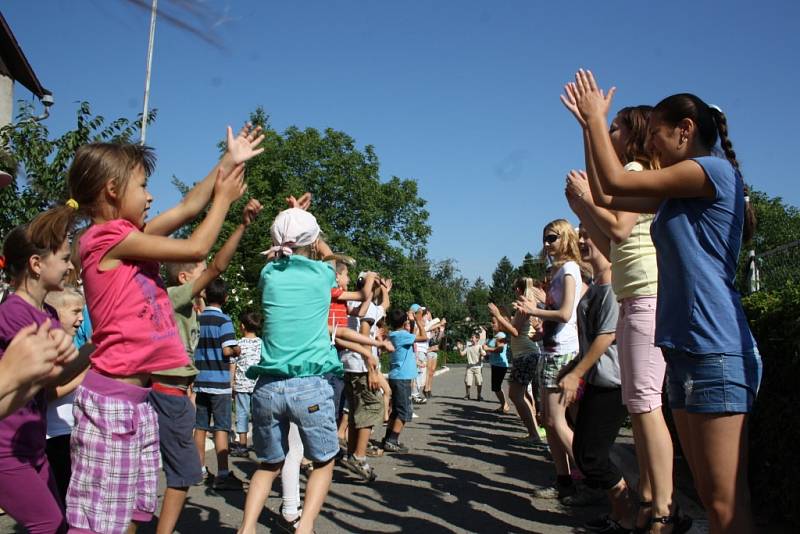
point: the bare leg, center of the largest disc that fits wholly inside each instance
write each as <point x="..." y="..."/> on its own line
<point x="316" y="490"/>
<point x="431" y="371"/>
<point x="221" y="446"/>
<point x="559" y="434"/>
<point x="243" y="439"/>
<point x="517" y="394"/>
<point x="171" y="508"/>
<point x="621" y="506"/>
<point x="260" y="485"/>
<point x="200" y="443"/>
<point x="654" y="443"/>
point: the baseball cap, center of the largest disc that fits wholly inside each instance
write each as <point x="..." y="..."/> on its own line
<point x="415" y="308"/>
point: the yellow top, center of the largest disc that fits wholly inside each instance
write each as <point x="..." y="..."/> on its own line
<point x="634" y="272"/>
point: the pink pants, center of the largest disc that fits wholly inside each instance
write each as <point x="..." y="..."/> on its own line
<point x="29" y="494"/>
<point x="641" y="363"/>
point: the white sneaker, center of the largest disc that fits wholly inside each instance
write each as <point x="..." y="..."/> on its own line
<point x="414" y="416"/>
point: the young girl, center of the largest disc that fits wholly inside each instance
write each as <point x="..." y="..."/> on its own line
<point x="525" y="353"/>
<point x="624" y="237"/>
<point x="560" y="340"/>
<point x="115" y="450"/>
<point x="702" y="213"/>
<point x="38" y="261"/>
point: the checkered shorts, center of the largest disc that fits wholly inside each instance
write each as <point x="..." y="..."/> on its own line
<point x="550" y="365"/>
<point x="114" y="457"/>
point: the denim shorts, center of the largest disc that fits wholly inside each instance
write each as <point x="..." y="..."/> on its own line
<point x="243" y="408"/>
<point x="216" y="407"/>
<point x="401" y="399"/>
<point x="712" y="383"/>
<point x="305" y="401"/>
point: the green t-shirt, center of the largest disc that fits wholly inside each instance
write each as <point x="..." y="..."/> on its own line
<point x="295" y="299"/>
<point x="188" y="326"/>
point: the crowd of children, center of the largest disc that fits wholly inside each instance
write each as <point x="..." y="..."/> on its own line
<point x="107" y="374"/>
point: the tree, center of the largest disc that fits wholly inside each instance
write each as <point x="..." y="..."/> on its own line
<point x="476" y="302"/>
<point x="39" y="164"/>
<point x="502" y="291"/>
<point x="532" y="267"/>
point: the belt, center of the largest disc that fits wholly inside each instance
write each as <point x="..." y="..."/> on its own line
<point x="169" y="390"/>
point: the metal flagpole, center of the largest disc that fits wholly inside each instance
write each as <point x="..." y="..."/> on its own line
<point x="153" y="12"/>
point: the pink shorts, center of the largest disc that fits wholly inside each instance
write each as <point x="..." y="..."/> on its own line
<point x="641" y="363"/>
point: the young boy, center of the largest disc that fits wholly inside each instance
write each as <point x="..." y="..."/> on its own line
<point x="170" y="394"/>
<point x="250" y="347"/>
<point x="474" y="353"/>
<point x="297" y="354"/>
<point x="216" y="347"/>
<point x="402" y="373"/>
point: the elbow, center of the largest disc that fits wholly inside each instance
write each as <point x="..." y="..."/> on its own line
<point x="197" y="251"/>
<point x="617" y="238"/>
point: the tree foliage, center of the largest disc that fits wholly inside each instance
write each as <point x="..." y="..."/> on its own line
<point x="39" y="164"/>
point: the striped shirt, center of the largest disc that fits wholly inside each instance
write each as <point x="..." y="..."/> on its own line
<point x="216" y="332"/>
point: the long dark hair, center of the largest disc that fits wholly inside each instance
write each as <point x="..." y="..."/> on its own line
<point x="711" y="125"/>
<point x="635" y="119"/>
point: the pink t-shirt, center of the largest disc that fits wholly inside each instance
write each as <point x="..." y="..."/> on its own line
<point x="134" y="328"/>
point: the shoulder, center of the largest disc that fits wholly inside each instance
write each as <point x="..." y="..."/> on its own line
<point x="180" y="295"/>
<point x="571" y="268"/>
<point x="720" y="173"/>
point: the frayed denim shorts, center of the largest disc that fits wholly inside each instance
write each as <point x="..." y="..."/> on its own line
<point x="712" y="383"/>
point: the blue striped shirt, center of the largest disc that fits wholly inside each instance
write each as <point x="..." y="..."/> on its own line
<point x="216" y="333"/>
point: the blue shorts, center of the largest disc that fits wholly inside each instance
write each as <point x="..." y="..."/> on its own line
<point x="712" y="383"/>
<point x="243" y="402"/>
<point x="176" y="418"/>
<point x="305" y="401"/>
<point x="216" y="407"/>
<point x="401" y="399"/>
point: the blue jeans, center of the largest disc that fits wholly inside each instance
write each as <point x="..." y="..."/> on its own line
<point x="243" y="405"/>
<point x="712" y="383"/>
<point x="305" y="401"/>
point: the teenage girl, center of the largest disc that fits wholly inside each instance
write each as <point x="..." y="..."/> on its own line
<point x="115" y="449"/>
<point x="560" y="340"/>
<point x="702" y="214"/>
<point x="625" y="239"/>
<point x="37" y="257"/>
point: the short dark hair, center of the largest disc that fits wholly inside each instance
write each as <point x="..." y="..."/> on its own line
<point x="251" y="321"/>
<point x="174" y="269"/>
<point x="216" y="292"/>
<point x="396" y="318"/>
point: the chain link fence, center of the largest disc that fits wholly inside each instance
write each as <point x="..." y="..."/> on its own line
<point x="774" y="268"/>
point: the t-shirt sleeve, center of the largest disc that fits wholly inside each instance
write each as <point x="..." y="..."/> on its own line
<point x="106" y="236"/>
<point x="608" y="313"/>
<point x="402" y="339"/>
<point x="715" y="169"/>
<point x="181" y="296"/>
<point x="227" y="336"/>
<point x="336" y="292"/>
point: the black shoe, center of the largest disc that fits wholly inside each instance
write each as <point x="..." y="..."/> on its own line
<point x="680" y="523"/>
<point x="466" y="397"/>
<point x="239" y="451"/>
<point x="480" y="399"/>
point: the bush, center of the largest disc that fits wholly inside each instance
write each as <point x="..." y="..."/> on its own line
<point x="775" y="425"/>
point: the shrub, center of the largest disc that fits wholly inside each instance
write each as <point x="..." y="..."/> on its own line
<point x="775" y="424"/>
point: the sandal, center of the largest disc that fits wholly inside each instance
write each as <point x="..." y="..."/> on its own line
<point x="374" y="450"/>
<point x="680" y="523"/>
<point x="646" y="527"/>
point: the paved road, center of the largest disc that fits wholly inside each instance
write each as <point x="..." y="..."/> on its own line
<point x="463" y="473"/>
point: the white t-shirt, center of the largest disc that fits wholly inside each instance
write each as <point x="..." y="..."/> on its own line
<point x="562" y="338"/>
<point x="59" y="416"/>
<point x="352" y="361"/>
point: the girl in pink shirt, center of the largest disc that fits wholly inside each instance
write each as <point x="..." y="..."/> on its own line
<point x="115" y="450"/>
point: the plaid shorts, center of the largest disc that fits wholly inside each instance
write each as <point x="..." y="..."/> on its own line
<point x="550" y="365"/>
<point x="114" y="457"/>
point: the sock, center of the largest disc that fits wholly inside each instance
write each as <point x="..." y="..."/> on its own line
<point x="360" y="458"/>
<point x="563" y="480"/>
<point x="222" y="473"/>
<point x="205" y="470"/>
<point x="290" y="513"/>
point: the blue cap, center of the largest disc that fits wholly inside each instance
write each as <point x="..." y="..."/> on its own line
<point x="415" y="308"/>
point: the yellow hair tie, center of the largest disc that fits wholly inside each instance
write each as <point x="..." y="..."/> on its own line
<point x="72" y="203"/>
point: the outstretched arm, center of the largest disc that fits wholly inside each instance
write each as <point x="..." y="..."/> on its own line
<point x="505" y="324"/>
<point x="240" y="149"/>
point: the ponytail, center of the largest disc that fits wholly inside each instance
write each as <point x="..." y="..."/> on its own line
<point x="727" y="148"/>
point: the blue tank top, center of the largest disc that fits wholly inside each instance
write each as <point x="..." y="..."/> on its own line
<point x="698" y="242"/>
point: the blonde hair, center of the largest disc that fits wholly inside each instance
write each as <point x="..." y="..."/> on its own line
<point x="525" y="284"/>
<point x="566" y="248"/>
<point x="59" y="299"/>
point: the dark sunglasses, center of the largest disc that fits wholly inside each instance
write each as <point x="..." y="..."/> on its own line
<point x="550" y="238"/>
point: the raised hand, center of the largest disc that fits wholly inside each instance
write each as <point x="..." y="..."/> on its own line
<point x="387" y="345"/>
<point x="493" y="309"/>
<point x="304" y="202"/>
<point x="525" y="305"/>
<point x="31" y="355"/>
<point x="230" y="186"/>
<point x="245" y="145"/>
<point x="590" y="100"/>
<point x="251" y="211"/>
<point x="569" y="101"/>
<point x="578" y="184"/>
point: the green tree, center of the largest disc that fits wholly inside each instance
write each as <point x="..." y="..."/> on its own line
<point x="39" y="163"/>
<point x="532" y="267"/>
<point x="502" y="291"/>
<point x="476" y="300"/>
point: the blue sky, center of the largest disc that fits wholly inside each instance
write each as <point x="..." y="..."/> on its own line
<point x="459" y="95"/>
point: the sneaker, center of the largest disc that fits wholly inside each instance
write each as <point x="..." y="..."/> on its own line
<point x="480" y="399"/>
<point x="554" y="492"/>
<point x="466" y="397"/>
<point x="414" y="416"/>
<point x="584" y="496"/>
<point x="394" y="446"/>
<point x="205" y="478"/>
<point x="228" y="482"/>
<point x="360" y="468"/>
<point x="238" y="451"/>
<point x="416" y="399"/>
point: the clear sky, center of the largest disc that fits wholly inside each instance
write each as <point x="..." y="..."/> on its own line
<point x="460" y="95"/>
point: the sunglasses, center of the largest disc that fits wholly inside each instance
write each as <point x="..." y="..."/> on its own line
<point x="550" y="238"/>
